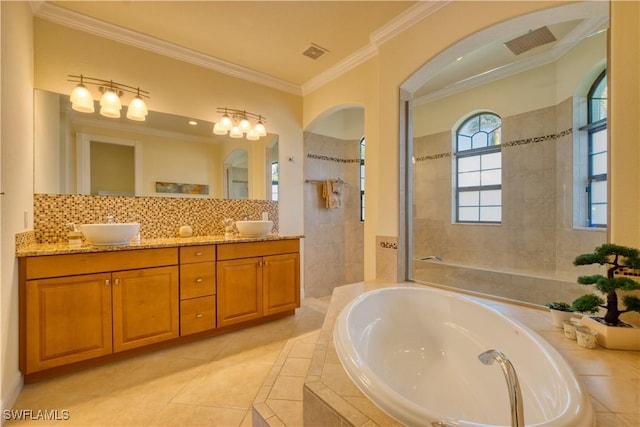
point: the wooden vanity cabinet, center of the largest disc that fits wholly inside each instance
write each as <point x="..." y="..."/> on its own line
<point x="197" y="289"/>
<point x="257" y="279"/>
<point x="80" y="306"/>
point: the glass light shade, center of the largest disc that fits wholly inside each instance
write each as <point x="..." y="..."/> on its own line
<point x="260" y="129"/>
<point x="110" y="104"/>
<point x="225" y="122"/>
<point x="235" y="132"/>
<point x="245" y="125"/>
<point x="81" y="99"/>
<point x="218" y="129"/>
<point x="137" y="110"/>
<point x="252" y="135"/>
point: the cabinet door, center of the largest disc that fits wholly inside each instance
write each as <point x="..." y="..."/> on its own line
<point x="239" y="290"/>
<point x="68" y="319"/>
<point x="281" y="283"/>
<point x="145" y="307"/>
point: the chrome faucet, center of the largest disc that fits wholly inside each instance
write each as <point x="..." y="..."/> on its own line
<point x="515" y="394"/>
<point x="110" y="218"/>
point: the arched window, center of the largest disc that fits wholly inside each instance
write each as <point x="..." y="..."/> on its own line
<point x="597" y="161"/>
<point x="478" y="165"/>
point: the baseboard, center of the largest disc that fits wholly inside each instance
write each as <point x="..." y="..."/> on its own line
<point x="12" y="396"/>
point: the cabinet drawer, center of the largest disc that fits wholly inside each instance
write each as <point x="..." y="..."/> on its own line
<point x="197" y="280"/>
<point x="98" y="262"/>
<point x="197" y="315"/>
<point x="190" y="254"/>
<point x="254" y="249"/>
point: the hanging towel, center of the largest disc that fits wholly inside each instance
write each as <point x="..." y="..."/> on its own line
<point x="332" y="193"/>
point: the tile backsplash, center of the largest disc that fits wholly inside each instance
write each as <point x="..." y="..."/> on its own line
<point x="158" y="216"/>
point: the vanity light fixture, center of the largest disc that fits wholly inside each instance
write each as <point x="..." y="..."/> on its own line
<point x="237" y="123"/>
<point x="110" y="102"/>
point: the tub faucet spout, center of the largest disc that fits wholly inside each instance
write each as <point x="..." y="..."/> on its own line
<point x="515" y="394"/>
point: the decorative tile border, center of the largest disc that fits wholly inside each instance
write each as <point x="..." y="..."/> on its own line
<point x="388" y="245"/>
<point x="433" y="157"/>
<point x="159" y="217"/>
<point x="628" y="272"/>
<point x="518" y="142"/>
<point x="551" y="137"/>
<point x="331" y="159"/>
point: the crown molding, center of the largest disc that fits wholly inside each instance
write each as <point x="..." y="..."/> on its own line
<point x="94" y="26"/>
<point x="406" y="19"/>
<point x="332" y="73"/>
<point x="391" y="29"/>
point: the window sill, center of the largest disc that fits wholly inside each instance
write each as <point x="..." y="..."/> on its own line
<point x="596" y="229"/>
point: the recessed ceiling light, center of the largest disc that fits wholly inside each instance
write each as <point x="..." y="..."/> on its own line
<point x="193" y="122"/>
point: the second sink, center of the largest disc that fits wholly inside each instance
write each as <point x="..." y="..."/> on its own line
<point x="254" y="228"/>
<point x="113" y="234"/>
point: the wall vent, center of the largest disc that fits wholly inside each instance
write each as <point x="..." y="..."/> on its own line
<point x="531" y="40"/>
<point x="314" y="51"/>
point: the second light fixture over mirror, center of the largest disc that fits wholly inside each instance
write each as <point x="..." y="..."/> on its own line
<point x="237" y="123"/>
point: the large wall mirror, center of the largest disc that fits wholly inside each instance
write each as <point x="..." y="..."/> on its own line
<point x="166" y="155"/>
<point x="499" y="140"/>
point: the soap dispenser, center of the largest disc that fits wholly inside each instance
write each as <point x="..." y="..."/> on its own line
<point x="74" y="236"/>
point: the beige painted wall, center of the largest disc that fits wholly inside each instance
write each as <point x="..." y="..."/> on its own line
<point x="16" y="157"/>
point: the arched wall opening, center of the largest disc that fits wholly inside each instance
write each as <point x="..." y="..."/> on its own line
<point x="333" y="228"/>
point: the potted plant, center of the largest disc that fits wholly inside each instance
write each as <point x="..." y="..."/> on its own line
<point x="612" y="332"/>
<point x="560" y="311"/>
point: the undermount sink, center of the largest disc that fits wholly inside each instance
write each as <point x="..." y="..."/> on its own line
<point x="254" y="228"/>
<point x="111" y="234"/>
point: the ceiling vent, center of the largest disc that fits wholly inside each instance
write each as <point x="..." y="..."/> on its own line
<point x="314" y="51"/>
<point x="531" y="40"/>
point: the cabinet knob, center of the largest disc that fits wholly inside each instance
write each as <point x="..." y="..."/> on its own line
<point x="116" y="281"/>
<point x="198" y="316"/>
<point x="107" y="282"/>
<point x="198" y="253"/>
<point x="266" y="263"/>
<point x="199" y="280"/>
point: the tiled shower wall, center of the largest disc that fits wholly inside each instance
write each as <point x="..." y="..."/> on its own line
<point x="534" y="246"/>
<point x="334" y="238"/>
<point x="158" y="216"/>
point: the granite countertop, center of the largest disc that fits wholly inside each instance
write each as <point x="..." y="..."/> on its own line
<point x="39" y="249"/>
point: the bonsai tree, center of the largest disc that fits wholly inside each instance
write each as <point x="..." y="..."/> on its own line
<point x="616" y="258"/>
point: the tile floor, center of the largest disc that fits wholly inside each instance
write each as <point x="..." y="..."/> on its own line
<point x="212" y="382"/>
